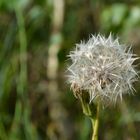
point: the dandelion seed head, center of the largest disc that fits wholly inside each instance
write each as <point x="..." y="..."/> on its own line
<point x="103" y="68"/>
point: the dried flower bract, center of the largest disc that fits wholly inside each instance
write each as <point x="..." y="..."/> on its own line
<point x="103" y="68"/>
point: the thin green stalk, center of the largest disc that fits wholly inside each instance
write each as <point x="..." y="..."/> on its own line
<point x="23" y="52"/>
<point x="85" y="106"/>
<point x="95" y="125"/>
<point x="22" y="81"/>
<point x="22" y="85"/>
<point x="92" y="111"/>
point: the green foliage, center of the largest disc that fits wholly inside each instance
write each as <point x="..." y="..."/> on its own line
<point x="26" y="34"/>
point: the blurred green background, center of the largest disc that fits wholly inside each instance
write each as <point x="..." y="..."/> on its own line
<point x="35" y="39"/>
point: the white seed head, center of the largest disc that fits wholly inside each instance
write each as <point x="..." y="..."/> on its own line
<point x="103" y="68"/>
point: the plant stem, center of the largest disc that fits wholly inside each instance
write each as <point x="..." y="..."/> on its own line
<point x="91" y="110"/>
<point x="95" y="124"/>
<point x="22" y="84"/>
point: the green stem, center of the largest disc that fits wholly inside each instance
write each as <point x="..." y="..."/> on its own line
<point x="92" y="111"/>
<point x="21" y="87"/>
<point x="85" y="106"/>
<point x="95" y="125"/>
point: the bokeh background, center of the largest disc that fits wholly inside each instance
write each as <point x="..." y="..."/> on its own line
<point x="35" y="39"/>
